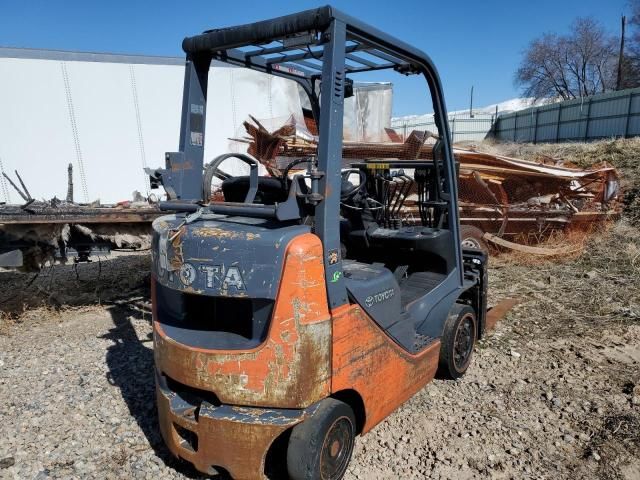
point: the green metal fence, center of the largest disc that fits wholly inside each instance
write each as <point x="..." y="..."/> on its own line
<point x="615" y="114"/>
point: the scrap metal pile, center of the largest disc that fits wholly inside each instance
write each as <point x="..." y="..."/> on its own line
<point x="42" y="231"/>
<point x="506" y="198"/>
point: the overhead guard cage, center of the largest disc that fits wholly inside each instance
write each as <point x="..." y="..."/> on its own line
<point x="306" y="47"/>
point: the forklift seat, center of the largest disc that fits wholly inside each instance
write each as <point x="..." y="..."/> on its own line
<point x="435" y="241"/>
<point x="270" y="190"/>
<point x="414" y="238"/>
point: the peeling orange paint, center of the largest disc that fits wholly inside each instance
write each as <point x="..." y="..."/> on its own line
<point x="366" y="360"/>
<point x="291" y="368"/>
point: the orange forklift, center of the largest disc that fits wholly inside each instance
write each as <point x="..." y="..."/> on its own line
<point x="298" y="312"/>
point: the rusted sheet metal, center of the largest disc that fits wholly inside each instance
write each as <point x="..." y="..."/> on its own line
<point x="234" y="438"/>
<point x="291" y="368"/>
<point x="369" y="362"/>
<point x="498" y="312"/>
<point x="14" y="215"/>
<point x="537" y="198"/>
<point x="543" y="251"/>
<point x="293" y="140"/>
<point x="517" y="197"/>
<point x="523" y="197"/>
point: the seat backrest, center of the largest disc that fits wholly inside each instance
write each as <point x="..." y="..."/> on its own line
<point x="270" y="190"/>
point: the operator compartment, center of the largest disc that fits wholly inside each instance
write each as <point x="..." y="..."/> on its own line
<point x="381" y="200"/>
<point x="398" y="242"/>
<point x="398" y="213"/>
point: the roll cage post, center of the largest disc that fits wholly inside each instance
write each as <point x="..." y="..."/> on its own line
<point x="187" y="164"/>
<point x="341" y="38"/>
<point x="330" y="161"/>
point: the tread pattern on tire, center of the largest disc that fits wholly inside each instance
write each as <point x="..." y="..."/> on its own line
<point x="446" y="368"/>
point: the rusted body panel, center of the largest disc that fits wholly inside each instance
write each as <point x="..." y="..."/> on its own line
<point x="221" y="258"/>
<point x="278" y="383"/>
<point x="235" y="438"/>
<point x="366" y="360"/>
<point x="291" y="368"/>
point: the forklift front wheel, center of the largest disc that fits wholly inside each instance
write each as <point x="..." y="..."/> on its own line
<point x="321" y="446"/>
<point x="458" y="340"/>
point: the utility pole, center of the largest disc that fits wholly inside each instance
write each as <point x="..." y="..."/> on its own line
<point x="471" y="104"/>
<point x="619" y="80"/>
<point x="70" y="183"/>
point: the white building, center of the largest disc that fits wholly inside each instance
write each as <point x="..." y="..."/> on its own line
<point x="112" y="115"/>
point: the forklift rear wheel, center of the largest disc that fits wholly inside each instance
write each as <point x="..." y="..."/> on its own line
<point x="321" y="446"/>
<point x="458" y="340"/>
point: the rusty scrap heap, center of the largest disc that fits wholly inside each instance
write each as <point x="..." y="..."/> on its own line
<point x="504" y="197"/>
<point x="45" y="231"/>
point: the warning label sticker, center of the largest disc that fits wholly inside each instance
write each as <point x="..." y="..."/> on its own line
<point x="197" y="139"/>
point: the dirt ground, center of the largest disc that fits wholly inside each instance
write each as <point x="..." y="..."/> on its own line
<point x="553" y="392"/>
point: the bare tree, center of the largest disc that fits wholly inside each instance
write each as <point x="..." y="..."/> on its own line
<point x="541" y="73"/>
<point x="579" y="64"/>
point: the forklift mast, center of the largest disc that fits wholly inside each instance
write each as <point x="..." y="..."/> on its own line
<point x="324" y="35"/>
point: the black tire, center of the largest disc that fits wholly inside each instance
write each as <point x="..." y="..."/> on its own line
<point x="471" y="237"/>
<point x="458" y="340"/>
<point x="321" y="446"/>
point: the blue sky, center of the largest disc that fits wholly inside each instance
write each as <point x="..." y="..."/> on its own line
<point x="475" y="43"/>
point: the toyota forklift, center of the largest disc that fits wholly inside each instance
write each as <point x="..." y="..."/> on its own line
<point x="292" y="314"/>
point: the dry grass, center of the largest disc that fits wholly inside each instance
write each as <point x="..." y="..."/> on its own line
<point x="623" y="154"/>
<point x="584" y="292"/>
<point x="620" y="432"/>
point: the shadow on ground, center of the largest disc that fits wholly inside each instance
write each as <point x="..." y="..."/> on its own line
<point x="131" y="369"/>
<point x="121" y="284"/>
<point x="99" y="282"/>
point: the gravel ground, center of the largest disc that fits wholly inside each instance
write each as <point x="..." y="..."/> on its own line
<point x="554" y="392"/>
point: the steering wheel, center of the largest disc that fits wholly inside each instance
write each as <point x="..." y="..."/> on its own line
<point x="346" y="194"/>
<point x="285" y="173"/>
<point x="213" y="170"/>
